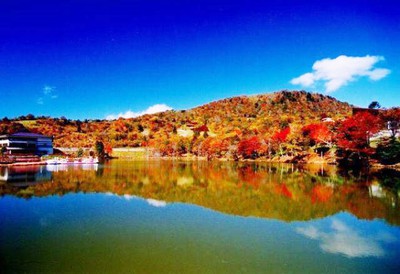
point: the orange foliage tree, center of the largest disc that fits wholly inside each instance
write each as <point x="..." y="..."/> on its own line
<point x="108" y="149"/>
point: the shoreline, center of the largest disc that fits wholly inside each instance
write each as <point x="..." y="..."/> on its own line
<point x="41" y="163"/>
<point x="284" y="160"/>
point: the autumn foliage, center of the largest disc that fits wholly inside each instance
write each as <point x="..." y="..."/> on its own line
<point x="318" y="134"/>
<point x="249" y="148"/>
<point x="281" y="135"/>
<point x="354" y="133"/>
<point x="274" y="126"/>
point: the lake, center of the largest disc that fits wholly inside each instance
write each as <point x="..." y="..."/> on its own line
<point x="198" y="217"/>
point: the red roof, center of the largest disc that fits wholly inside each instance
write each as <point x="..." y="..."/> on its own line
<point x="201" y="128"/>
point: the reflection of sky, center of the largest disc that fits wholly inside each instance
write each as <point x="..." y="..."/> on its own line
<point x="183" y="238"/>
<point x="343" y="238"/>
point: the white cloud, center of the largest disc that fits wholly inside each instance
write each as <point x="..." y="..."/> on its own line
<point x="47" y="93"/>
<point x="306" y="79"/>
<point x="338" y="72"/>
<point x="128" y="197"/>
<point x="48" y="89"/>
<point x="131" y="114"/>
<point x="347" y="241"/>
<point x="40" y="101"/>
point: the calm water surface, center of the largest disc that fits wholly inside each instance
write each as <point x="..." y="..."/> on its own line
<point x="198" y="217"/>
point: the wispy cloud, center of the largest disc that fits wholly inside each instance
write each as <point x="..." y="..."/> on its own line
<point x="48" y="92"/>
<point x="342" y="239"/>
<point x="131" y="114"/>
<point x="48" y="89"/>
<point x="338" y="72"/>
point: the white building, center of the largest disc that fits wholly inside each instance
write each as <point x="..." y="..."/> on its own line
<point x="27" y="143"/>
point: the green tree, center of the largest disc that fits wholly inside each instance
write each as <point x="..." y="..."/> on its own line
<point x="388" y="152"/>
<point x="3" y="150"/>
<point x="374" y="105"/>
<point x="99" y="147"/>
<point x="79" y="153"/>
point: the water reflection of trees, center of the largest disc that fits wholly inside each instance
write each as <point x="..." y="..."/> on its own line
<point x="284" y="192"/>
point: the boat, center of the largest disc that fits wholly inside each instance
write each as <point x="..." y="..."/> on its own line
<point x="86" y="160"/>
<point x="53" y="161"/>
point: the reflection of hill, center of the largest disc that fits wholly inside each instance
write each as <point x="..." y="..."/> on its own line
<point x="280" y="192"/>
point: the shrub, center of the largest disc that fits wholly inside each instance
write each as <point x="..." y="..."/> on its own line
<point x="388" y="153"/>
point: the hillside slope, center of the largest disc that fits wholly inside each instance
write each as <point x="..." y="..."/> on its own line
<point x="219" y="125"/>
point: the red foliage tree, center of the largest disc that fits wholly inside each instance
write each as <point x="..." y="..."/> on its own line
<point x="354" y="132"/>
<point x="249" y="148"/>
<point x="280" y="136"/>
<point x="318" y="133"/>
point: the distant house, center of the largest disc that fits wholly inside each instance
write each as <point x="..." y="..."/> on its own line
<point x="372" y="111"/>
<point x="327" y="120"/>
<point x="27" y="143"/>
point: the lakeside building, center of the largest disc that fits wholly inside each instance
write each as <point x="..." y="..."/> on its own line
<point x="27" y="143"/>
<point x="372" y="111"/>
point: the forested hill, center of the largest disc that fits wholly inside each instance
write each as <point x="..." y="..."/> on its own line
<point x="221" y="123"/>
<point x="269" y="112"/>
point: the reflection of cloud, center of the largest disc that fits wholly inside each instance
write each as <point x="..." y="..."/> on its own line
<point x="156" y="203"/>
<point x="310" y="232"/>
<point x="345" y="240"/>
<point x="128" y="197"/>
<point x="44" y="222"/>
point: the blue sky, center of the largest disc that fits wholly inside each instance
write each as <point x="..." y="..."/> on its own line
<point x="96" y="59"/>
